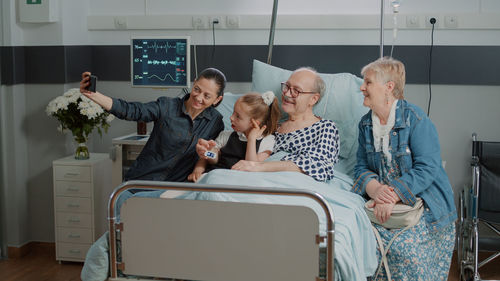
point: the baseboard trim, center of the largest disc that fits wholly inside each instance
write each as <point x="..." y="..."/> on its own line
<point x="19" y="252"/>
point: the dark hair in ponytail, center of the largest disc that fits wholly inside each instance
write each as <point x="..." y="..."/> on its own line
<point x="217" y="76"/>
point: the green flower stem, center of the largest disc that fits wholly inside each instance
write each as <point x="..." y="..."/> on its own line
<point x="82" y="151"/>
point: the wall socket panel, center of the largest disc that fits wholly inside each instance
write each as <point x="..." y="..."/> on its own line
<point x="221" y="22"/>
<point x="450" y="21"/>
<point x="413" y="21"/>
<point x="233" y="22"/>
<point x="428" y="21"/>
<point x="224" y="22"/>
<point x="200" y="22"/>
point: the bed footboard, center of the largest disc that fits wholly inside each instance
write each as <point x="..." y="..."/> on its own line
<point x="215" y="240"/>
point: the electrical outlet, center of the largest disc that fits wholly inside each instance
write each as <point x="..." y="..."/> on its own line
<point x="233" y="22"/>
<point x="218" y="22"/>
<point x="200" y="22"/>
<point x="451" y="21"/>
<point x="412" y="22"/>
<point x="120" y="22"/>
<point x="428" y="22"/>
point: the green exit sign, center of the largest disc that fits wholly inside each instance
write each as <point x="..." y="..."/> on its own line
<point x="33" y="2"/>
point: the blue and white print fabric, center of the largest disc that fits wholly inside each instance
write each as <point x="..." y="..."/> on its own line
<point x="418" y="254"/>
<point x="314" y="149"/>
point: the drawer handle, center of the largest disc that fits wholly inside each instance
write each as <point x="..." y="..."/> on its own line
<point x="74" y="235"/>
<point x="74" y="220"/>
<point x="71" y="188"/>
<point x="71" y="175"/>
<point x="74" y="251"/>
<point x="73" y="205"/>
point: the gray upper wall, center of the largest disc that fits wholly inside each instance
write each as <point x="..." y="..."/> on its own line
<point x="459" y="65"/>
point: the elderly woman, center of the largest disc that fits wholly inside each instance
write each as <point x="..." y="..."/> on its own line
<point x="398" y="160"/>
<point x="312" y="143"/>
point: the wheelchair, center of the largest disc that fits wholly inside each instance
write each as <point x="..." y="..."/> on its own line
<point x="479" y="203"/>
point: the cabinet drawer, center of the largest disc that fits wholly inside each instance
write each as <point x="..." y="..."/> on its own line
<point x="74" y="235"/>
<point x="72" y="173"/>
<point x="73" y="220"/>
<point x="72" y="251"/>
<point x="73" y="188"/>
<point x="73" y="204"/>
<point x="132" y="151"/>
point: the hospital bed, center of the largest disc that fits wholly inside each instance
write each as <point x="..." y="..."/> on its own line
<point x="212" y="240"/>
<point x="235" y="225"/>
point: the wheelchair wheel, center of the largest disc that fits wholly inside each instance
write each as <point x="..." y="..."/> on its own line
<point x="465" y="242"/>
<point x="467" y="274"/>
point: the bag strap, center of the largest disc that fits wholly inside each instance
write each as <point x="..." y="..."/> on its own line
<point x="384" y="250"/>
<point x="383" y="260"/>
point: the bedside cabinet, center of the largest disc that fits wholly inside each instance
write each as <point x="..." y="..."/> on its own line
<point x="125" y="151"/>
<point x="81" y="192"/>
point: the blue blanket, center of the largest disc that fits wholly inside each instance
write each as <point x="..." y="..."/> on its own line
<point x="355" y="246"/>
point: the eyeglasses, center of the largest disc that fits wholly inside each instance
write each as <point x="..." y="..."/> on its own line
<point x="294" y="92"/>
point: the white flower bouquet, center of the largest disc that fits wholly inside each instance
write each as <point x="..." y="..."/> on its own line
<point x="80" y="115"/>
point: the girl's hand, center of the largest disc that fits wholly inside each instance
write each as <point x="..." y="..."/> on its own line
<point x="203" y="146"/>
<point x="385" y="194"/>
<point x="195" y="175"/>
<point x="249" y="166"/>
<point x="256" y="130"/>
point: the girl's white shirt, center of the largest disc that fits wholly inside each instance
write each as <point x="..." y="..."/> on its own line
<point x="267" y="142"/>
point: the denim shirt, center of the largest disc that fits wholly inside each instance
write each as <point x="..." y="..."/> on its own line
<point x="169" y="154"/>
<point x="415" y="147"/>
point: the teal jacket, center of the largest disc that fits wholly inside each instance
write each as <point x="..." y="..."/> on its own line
<point x="415" y="147"/>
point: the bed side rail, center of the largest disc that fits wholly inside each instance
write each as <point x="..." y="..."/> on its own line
<point x="148" y="185"/>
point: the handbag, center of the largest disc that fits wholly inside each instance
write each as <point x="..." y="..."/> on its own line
<point x="402" y="216"/>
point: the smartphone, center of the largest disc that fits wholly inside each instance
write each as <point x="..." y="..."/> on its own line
<point x="93" y="81"/>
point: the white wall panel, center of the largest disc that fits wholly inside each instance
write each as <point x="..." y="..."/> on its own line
<point x="42" y="33"/>
<point x="74" y="25"/>
<point x="489" y="6"/>
<point x="441" y="6"/>
<point x="117" y="7"/>
<point x="15" y="158"/>
<point x="12" y="34"/>
<point x="264" y="7"/>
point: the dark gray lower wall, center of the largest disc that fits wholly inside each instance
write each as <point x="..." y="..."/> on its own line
<point x="459" y="65"/>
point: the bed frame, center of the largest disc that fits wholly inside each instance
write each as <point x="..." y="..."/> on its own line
<point x="216" y="240"/>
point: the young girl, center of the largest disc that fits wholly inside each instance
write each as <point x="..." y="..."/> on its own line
<point x="254" y="119"/>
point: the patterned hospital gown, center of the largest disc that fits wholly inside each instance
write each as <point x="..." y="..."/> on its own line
<point x="314" y="149"/>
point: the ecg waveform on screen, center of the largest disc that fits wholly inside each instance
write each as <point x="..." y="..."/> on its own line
<point x="157" y="47"/>
<point x="163" y="62"/>
<point x="160" y="62"/>
<point x="179" y="47"/>
<point x="164" y="78"/>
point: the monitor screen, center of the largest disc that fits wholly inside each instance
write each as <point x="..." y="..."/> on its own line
<point x="160" y="62"/>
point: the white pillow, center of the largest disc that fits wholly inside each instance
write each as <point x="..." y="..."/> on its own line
<point x="341" y="103"/>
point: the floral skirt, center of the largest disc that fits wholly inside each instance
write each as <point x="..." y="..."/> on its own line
<point x="418" y="254"/>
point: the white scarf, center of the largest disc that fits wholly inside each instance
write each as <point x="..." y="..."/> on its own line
<point x="381" y="132"/>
